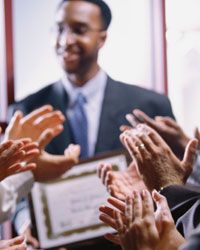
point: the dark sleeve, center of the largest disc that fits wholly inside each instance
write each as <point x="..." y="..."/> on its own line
<point x="194" y="178"/>
<point x="166" y="108"/>
<point x="193" y="241"/>
<point x="184" y="203"/>
<point x="17" y="106"/>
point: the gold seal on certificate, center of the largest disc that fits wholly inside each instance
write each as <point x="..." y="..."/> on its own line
<point x="66" y="211"/>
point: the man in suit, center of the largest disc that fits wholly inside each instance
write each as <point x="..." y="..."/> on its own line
<point x="80" y="32"/>
<point x="78" y="40"/>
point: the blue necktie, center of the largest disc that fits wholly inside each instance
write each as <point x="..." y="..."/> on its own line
<point x="79" y="125"/>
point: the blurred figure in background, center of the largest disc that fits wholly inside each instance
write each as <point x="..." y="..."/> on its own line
<point x="94" y="104"/>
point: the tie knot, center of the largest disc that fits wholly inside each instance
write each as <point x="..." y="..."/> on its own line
<point x="81" y="99"/>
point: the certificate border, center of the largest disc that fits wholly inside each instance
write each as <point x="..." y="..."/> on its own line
<point x="77" y="244"/>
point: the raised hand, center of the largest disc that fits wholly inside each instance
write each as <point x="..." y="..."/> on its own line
<point x="138" y="226"/>
<point x="120" y="183"/>
<point x="14" y="156"/>
<point x="168" y="129"/>
<point x="33" y="124"/>
<point x="42" y="125"/>
<point x="156" y="162"/>
<point x="141" y="231"/>
<point x="17" y="243"/>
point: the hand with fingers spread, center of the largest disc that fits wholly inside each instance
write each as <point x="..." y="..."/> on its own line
<point x="34" y="124"/>
<point x="42" y="125"/>
<point x="107" y="216"/>
<point x="120" y="183"/>
<point x="167" y="127"/>
<point x="15" y="155"/>
<point x="17" y="243"/>
<point x="156" y="162"/>
<point x="146" y="230"/>
<point x="138" y="226"/>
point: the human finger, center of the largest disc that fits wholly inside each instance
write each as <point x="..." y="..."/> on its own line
<point x="137" y="205"/>
<point x="49" y="120"/>
<point x="109" y="178"/>
<point x="117" y="203"/>
<point x="133" y="148"/>
<point x="20" y="167"/>
<point x="11" y="131"/>
<point x="132" y="120"/>
<point x="108" y="220"/>
<point x="147" y="204"/>
<point x="115" y="191"/>
<point x="48" y="135"/>
<point x="189" y="157"/>
<point x="107" y="167"/>
<point x="144" y="118"/>
<point x="121" y="228"/>
<point x="114" y="238"/>
<point x="5" y="145"/>
<point x="31" y="117"/>
<point x="129" y="210"/>
<point x="123" y="128"/>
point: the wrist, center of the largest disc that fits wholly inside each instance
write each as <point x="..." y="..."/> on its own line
<point x="169" y="182"/>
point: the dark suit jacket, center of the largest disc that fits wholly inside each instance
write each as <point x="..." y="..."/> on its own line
<point x="194" y="241"/>
<point x="184" y="203"/>
<point x="119" y="99"/>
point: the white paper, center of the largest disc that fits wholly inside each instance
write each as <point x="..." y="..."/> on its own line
<point x="70" y="205"/>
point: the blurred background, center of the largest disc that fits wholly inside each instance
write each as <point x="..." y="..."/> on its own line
<point x="151" y="43"/>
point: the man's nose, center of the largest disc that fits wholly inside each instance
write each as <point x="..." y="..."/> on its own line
<point x="67" y="38"/>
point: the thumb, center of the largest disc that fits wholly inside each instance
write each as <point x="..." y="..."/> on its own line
<point x="189" y="156"/>
<point x="197" y="136"/>
<point x="113" y="238"/>
<point x="48" y="135"/>
<point x="45" y="138"/>
<point x="162" y="207"/>
<point x="73" y="152"/>
<point x="11" y="130"/>
<point x="160" y="200"/>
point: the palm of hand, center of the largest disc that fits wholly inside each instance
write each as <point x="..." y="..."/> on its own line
<point x="53" y="166"/>
<point x="26" y="131"/>
<point x="122" y="183"/>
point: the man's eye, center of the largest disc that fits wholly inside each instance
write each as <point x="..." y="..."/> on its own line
<point x="80" y="30"/>
<point x="60" y="28"/>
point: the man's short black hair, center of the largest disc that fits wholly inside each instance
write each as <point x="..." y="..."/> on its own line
<point x="105" y="10"/>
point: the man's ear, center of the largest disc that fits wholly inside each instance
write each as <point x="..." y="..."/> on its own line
<point x="102" y="38"/>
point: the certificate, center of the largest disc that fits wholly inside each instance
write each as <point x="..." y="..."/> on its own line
<point x="66" y="211"/>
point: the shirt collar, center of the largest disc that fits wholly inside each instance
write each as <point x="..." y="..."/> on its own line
<point x="91" y="88"/>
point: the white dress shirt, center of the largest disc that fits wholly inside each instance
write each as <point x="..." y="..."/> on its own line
<point x="93" y="91"/>
<point x="12" y="190"/>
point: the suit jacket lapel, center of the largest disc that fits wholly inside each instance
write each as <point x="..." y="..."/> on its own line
<point x="108" y="135"/>
<point x="61" y="102"/>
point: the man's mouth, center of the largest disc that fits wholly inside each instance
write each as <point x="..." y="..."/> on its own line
<point x="70" y="56"/>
